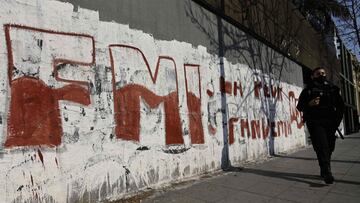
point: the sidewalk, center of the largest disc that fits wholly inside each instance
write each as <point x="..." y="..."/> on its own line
<point x="284" y="178"/>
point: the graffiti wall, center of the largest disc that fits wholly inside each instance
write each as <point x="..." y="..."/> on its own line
<point x="93" y="110"/>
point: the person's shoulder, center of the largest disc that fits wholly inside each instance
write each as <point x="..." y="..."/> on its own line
<point x="309" y="86"/>
<point x="332" y="86"/>
<point x="306" y="90"/>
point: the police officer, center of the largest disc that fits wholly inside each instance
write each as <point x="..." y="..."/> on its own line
<point x="322" y="108"/>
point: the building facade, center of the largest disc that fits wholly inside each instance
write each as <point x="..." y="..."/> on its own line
<point x="349" y="89"/>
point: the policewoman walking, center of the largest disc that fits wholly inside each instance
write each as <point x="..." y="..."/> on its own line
<point x="322" y="108"/>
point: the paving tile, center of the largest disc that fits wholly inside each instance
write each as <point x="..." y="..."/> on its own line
<point x="284" y="177"/>
<point x="340" y="171"/>
<point x="268" y="189"/>
<point x="345" y="156"/>
<point x="355" y="179"/>
<point x="236" y="181"/>
<point x="346" y="187"/>
<point x="341" y="163"/>
<point x="277" y="200"/>
<point x="207" y="192"/>
<point x="241" y="196"/>
<point x="316" y="184"/>
<point x="173" y="199"/>
<point x="162" y="194"/>
<point x="336" y="198"/>
<point x="298" y="194"/>
<point x="354" y="171"/>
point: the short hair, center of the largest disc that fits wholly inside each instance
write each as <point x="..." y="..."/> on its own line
<point x="316" y="69"/>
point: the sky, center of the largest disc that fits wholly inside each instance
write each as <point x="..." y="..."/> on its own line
<point x="353" y="46"/>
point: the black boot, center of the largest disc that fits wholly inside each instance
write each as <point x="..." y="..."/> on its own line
<point x="329" y="178"/>
<point x="324" y="169"/>
<point x="322" y="173"/>
<point x="327" y="175"/>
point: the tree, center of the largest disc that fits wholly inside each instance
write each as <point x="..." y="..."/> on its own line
<point x="349" y="28"/>
<point x="344" y="13"/>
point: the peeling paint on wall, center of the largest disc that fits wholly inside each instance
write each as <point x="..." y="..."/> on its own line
<point x="95" y="110"/>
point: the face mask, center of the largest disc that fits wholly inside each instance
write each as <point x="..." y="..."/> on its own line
<point x="320" y="79"/>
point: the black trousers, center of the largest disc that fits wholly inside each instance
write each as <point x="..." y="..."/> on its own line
<point x="322" y="135"/>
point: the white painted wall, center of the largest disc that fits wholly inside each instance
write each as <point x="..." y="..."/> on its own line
<point x="91" y="163"/>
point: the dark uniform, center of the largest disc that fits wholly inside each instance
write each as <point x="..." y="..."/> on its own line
<point x="322" y="121"/>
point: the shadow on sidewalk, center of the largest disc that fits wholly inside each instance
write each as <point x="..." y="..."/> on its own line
<point x="296" y="177"/>
<point x="314" y="159"/>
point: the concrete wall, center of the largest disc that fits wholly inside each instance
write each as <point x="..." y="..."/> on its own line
<point x="99" y="103"/>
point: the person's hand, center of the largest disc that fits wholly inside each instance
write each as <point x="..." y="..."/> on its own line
<point x="314" y="102"/>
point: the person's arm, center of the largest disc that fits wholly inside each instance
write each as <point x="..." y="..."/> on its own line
<point x="307" y="100"/>
<point x="302" y="104"/>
